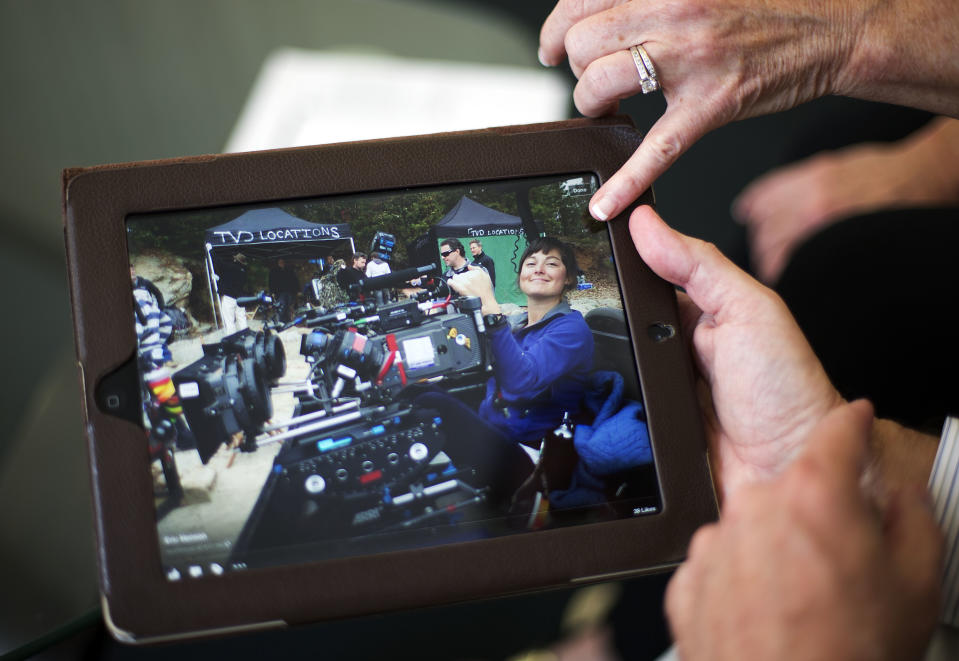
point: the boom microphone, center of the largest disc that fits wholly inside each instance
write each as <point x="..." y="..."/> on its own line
<point x="396" y="278"/>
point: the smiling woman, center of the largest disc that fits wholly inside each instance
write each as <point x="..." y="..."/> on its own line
<point x="545" y="275"/>
<point x="544" y="357"/>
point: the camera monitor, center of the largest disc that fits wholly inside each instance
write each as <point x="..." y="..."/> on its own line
<point x="347" y="396"/>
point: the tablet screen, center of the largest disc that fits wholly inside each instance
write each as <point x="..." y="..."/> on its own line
<point x="339" y="376"/>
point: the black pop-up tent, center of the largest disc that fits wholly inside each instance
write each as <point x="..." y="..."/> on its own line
<point x="472" y="219"/>
<point x="271" y="233"/>
<point x="502" y="235"/>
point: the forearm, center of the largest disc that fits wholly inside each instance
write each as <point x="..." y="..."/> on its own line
<point x="906" y="53"/>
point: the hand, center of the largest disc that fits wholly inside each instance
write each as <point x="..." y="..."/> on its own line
<point x="475" y="282"/>
<point x="717" y="62"/>
<point x="806" y="567"/>
<point x="787" y="205"/>
<point x="762" y="387"/>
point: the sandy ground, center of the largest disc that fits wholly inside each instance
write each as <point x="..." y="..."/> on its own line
<point x="604" y="293"/>
<point x="219" y="496"/>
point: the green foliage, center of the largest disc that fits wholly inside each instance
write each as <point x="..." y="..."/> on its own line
<point x="179" y="233"/>
<point x="407" y="214"/>
<point x="566" y="214"/>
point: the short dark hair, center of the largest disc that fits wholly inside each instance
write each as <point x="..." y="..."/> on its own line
<point x="454" y="245"/>
<point x="359" y="255"/>
<point x="545" y="244"/>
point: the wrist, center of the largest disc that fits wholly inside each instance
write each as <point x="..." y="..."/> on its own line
<point x="903" y="52"/>
<point x="490" y="307"/>
<point x="903" y="456"/>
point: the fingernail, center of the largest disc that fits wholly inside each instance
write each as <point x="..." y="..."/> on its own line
<point x="601" y="209"/>
<point x="542" y="58"/>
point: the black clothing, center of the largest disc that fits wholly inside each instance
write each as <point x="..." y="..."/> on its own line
<point x="349" y="276"/>
<point x="284" y="285"/>
<point x="283" y="280"/>
<point x="486" y="262"/>
<point x="875" y="297"/>
<point x="232" y="280"/>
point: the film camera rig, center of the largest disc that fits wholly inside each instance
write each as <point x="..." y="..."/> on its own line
<point x="359" y="458"/>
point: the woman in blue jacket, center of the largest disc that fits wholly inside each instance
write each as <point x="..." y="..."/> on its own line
<point x="541" y="363"/>
<point x="541" y="359"/>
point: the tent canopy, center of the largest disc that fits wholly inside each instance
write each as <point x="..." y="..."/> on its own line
<point x="503" y="238"/>
<point x="270" y="233"/>
<point x="474" y="220"/>
<point x="275" y="233"/>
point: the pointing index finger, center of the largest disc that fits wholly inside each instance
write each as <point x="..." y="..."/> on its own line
<point x="672" y="134"/>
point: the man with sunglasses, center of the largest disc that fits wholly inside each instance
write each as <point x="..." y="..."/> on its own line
<point x="454" y="256"/>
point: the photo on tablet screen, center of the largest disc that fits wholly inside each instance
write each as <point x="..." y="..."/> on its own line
<point x="339" y="376"/>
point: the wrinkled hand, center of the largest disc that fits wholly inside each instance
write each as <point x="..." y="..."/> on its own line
<point x="763" y="389"/>
<point x="717" y="61"/>
<point x="787" y="205"/>
<point x="806" y="567"/>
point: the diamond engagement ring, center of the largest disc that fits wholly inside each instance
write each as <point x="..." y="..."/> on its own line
<point x="645" y="68"/>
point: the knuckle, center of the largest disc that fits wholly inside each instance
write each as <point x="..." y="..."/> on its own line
<point x="711" y="250"/>
<point x="596" y="78"/>
<point x="773" y="302"/>
<point x="664" y="149"/>
<point x="575" y="43"/>
<point x="577" y="10"/>
<point x="592" y="89"/>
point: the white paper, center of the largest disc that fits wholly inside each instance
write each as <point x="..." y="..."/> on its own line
<point x="306" y="97"/>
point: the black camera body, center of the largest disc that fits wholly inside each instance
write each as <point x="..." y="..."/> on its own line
<point x="374" y="352"/>
<point x="264" y="347"/>
<point x="336" y="488"/>
<point x="376" y="367"/>
<point x="228" y="390"/>
<point x="206" y="389"/>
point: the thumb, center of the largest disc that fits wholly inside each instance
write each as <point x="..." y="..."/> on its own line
<point x="709" y="278"/>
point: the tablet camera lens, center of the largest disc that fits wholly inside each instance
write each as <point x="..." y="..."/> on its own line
<point x="660" y="332"/>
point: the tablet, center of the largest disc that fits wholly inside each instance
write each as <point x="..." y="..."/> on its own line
<point x="337" y="380"/>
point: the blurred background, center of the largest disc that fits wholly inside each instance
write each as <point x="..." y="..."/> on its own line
<point x="110" y="81"/>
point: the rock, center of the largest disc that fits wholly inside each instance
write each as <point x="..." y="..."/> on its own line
<point x="170" y="274"/>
